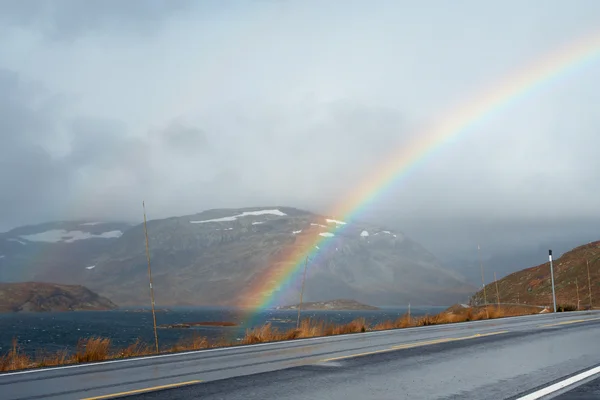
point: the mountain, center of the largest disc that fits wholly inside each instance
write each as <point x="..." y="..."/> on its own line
<point x="223" y="256"/>
<point x="533" y="285"/>
<point x="55" y="251"/>
<point x="36" y="296"/>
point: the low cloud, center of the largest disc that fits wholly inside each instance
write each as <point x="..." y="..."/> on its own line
<point x="191" y="106"/>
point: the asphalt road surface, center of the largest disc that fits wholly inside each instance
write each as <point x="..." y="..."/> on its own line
<point x="511" y="358"/>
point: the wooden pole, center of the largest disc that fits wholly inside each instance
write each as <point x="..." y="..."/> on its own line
<point x="150" y="278"/>
<point x="301" y="293"/>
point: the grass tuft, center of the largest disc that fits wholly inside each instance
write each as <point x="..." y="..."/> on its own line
<point x="92" y="349"/>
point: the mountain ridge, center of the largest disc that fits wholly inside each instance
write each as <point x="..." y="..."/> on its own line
<point x="224" y="256"/>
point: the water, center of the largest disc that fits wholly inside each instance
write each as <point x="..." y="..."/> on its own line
<point x="61" y="330"/>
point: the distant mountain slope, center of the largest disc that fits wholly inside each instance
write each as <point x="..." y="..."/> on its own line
<point x="55" y="251"/>
<point x="338" y="304"/>
<point x="533" y="285"/>
<point x="215" y="257"/>
<point x="218" y="256"/>
<point x="36" y="296"/>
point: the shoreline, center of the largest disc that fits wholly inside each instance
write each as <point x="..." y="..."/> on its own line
<point x="95" y="349"/>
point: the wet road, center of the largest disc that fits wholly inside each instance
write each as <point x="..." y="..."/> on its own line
<point x="498" y="359"/>
<point x="586" y="391"/>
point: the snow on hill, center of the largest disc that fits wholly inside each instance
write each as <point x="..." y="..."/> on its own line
<point x="217" y="256"/>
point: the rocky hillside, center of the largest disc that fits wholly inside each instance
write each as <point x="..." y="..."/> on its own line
<point x="533" y="285"/>
<point x="217" y="257"/>
<point x="339" y="304"/>
<point x="35" y="296"/>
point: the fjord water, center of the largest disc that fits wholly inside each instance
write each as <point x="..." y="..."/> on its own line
<point x="54" y="331"/>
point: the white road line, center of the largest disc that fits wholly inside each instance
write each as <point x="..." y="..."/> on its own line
<point x="560" y="385"/>
<point x="282" y="343"/>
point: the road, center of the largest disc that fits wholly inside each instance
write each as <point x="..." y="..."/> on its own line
<point x="509" y="358"/>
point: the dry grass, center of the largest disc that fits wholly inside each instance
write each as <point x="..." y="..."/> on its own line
<point x="136" y="349"/>
<point x="99" y="349"/>
<point x="93" y="349"/>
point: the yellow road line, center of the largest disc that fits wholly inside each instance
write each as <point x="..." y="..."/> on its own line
<point x="416" y="344"/>
<point x="445" y="340"/>
<point x="357" y="355"/>
<point x="570" y="322"/>
<point x="150" y="389"/>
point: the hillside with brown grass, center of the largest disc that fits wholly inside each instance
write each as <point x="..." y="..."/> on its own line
<point x="533" y="285"/>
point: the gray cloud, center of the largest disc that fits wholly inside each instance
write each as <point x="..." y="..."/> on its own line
<point x="192" y="106"/>
<point x="68" y="19"/>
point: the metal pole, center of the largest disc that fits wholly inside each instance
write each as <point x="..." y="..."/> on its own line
<point x="589" y="283"/>
<point x="577" y="289"/>
<point x="150" y="277"/>
<point x="483" y="282"/>
<point x="552" y="277"/>
<point x="301" y="293"/>
<point x="497" y="291"/>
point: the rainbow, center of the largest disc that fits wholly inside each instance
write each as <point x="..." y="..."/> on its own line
<point x="288" y="270"/>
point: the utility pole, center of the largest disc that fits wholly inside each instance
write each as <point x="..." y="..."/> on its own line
<point x="589" y="283"/>
<point x="497" y="291"/>
<point x="150" y="278"/>
<point x="302" y="292"/>
<point x="552" y="277"/>
<point x="482" y="281"/>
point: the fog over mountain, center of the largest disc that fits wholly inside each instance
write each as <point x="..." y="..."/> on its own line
<point x="198" y="105"/>
<point x="233" y="257"/>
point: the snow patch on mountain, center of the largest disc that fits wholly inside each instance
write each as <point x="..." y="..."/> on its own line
<point x="90" y="267"/>
<point x="90" y="223"/>
<point x="296" y="232"/>
<point x="18" y="241"/>
<point x="61" y="235"/>
<point x="326" y="234"/>
<point x="333" y="221"/>
<point x="244" y="214"/>
<point x="364" y="234"/>
<point x="319" y="225"/>
<point x="388" y="233"/>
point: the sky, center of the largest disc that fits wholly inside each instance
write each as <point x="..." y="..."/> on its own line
<point x="197" y="105"/>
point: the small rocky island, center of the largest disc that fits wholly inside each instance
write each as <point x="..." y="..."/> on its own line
<point x="185" y="325"/>
<point x="338" y="304"/>
<point x="39" y="297"/>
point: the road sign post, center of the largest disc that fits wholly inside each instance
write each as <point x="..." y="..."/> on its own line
<point x="552" y="278"/>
